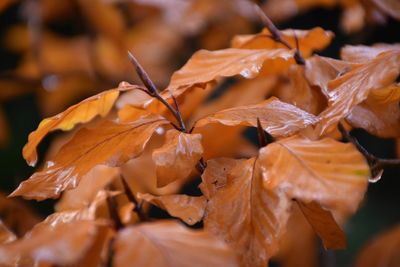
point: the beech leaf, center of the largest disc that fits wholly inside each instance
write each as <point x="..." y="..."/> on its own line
<point x="82" y="112"/>
<point x="248" y="217"/>
<point x="177" y="157"/>
<point x="276" y="117"/>
<point x="324" y="225"/>
<point x="187" y="208"/>
<point x="170" y="245"/>
<point x="110" y="143"/>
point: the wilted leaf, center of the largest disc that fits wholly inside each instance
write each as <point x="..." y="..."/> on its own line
<point x="379" y="114"/>
<point x="276" y="117"/>
<point x="205" y="66"/>
<point x="82" y="112"/>
<point x="6" y="236"/>
<point x="177" y="158"/>
<point x="248" y="217"/>
<point x="62" y="244"/>
<point x="324" y="225"/>
<point x="189" y="209"/>
<point x="363" y="53"/>
<point x="353" y="87"/>
<point x="329" y="172"/>
<point x="169" y="244"/>
<point x="384" y="250"/>
<point x="309" y="40"/>
<point x="109" y="143"/>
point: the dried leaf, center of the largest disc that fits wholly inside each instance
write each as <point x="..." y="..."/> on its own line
<point x="329" y="172"/>
<point x="384" y="250"/>
<point x="82" y="112"/>
<point x="6" y="236"/>
<point x="206" y="66"/>
<point x="62" y="244"/>
<point x="309" y="40"/>
<point x="276" y="117"/>
<point x="248" y="217"/>
<point x="324" y="225"/>
<point x="363" y="53"/>
<point x="187" y="208"/>
<point x="353" y="87"/>
<point x="109" y="143"/>
<point x="169" y="244"/>
<point x="390" y="7"/>
<point x="177" y="158"/>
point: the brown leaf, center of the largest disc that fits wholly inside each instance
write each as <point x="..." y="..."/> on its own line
<point x="206" y="66"/>
<point x="353" y="87"/>
<point x="379" y="114"/>
<point x="62" y="244"/>
<point x="324" y="225"/>
<point x="390" y="7"/>
<point x="309" y="40"/>
<point x="243" y="213"/>
<point x="363" y="53"/>
<point x="329" y="172"/>
<point x="276" y="117"/>
<point x="6" y="236"/>
<point x="384" y="250"/>
<point x="109" y="143"/>
<point x="82" y="112"/>
<point x="178" y="156"/>
<point x="187" y="208"/>
<point x="169" y="244"/>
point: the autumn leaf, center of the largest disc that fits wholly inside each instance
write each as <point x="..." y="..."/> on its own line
<point x="363" y="53"/>
<point x="206" y="66"/>
<point x="276" y="117"/>
<point x="177" y="157"/>
<point x="324" y="225"/>
<point x="383" y="250"/>
<point x="353" y="87"/>
<point x="82" y="112"/>
<point x="49" y="244"/>
<point x="390" y="7"/>
<point x="6" y="236"/>
<point x="187" y="208"/>
<point x="244" y="214"/>
<point x="309" y="40"/>
<point x="169" y="244"/>
<point x="110" y="143"/>
<point x="332" y="173"/>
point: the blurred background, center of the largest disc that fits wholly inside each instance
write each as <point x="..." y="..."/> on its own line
<point x="55" y="53"/>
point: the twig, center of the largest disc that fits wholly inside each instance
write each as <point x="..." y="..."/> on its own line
<point x="276" y="34"/>
<point x="264" y="138"/>
<point x="137" y="206"/>
<point x="376" y="164"/>
<point x="112" y="207"/>
<point x="148" y="83"/>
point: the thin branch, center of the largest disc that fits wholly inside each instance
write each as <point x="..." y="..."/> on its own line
<point x="376" y="164"/>
<point x="137" y="206"/>
<point x="276" y="34"/>
<point x="148" y="83"/>
<point x="112" y="208"/>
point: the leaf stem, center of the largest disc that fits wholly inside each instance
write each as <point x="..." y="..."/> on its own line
<point x="375" y="163"/>
<point x="276" y="34"/>
<point x="148" y="83"/>
<point x="112" y="208"/>
<point x="137" y="206"/>
<point x="264" y="138"/>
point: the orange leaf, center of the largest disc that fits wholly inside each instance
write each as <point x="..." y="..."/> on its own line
<point x="6" y="236"/>
<point x="247" y="216"/>
<point x="189" y="209"/>
<point x="353" y="87"/>
<point x="324" y="225"/>
<point x="329" y="172"/>
<point x="109" y="143"/>
<point x="309" y="40"/>
<point x="169" y="244"/>
<point x="384" y="250"/>
<point x="177" y="157"/>
<point x="206" y="66"/>
<point x="276" y="117"/>
<point x="363" y="53"/>
<point x="82" y="112"/>
<point x="62" y="244"/>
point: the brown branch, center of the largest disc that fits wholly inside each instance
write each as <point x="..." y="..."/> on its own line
<point x="137" y="206"/>
<point x="276" y="34"/>
<point x="148" y="83"/>
<point x="376" y="164"/>
<point x="112" y="208"/>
